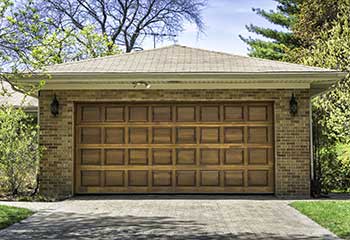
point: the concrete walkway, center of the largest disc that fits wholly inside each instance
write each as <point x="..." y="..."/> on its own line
<point x="164" y="217"/>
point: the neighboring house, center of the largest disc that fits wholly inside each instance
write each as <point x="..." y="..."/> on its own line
<point x="9" y="97"/>
<point x="178" y="120"/>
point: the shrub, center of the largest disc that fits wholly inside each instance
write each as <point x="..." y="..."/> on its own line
<point x="19" y="150"/>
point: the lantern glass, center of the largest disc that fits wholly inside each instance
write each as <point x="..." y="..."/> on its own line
<point x="54" y="106"/>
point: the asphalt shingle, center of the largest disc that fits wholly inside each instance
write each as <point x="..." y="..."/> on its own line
<point x="179" y="59"/>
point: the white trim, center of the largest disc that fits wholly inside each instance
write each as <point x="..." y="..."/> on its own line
<point x="155" y="86"/>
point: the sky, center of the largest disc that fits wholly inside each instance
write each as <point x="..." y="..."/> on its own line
<point x="225" y="20"/>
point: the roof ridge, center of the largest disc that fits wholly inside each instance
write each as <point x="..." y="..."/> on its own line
<point x="248" y="57"/>
<point x="110" y="56"/>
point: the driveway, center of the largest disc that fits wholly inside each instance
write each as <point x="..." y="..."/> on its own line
<point x="164" y="217"/>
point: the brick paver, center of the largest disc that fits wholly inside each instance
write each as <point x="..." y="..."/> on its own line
<point x="165" y="217"/>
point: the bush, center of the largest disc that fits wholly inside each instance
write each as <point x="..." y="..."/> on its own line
<point x="19" y="150"/>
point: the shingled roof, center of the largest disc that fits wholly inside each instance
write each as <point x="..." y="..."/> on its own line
<point x="180" y="59"/>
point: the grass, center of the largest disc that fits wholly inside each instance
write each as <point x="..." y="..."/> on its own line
<point x="11" y="215"/>
<point x="333" y="215"/>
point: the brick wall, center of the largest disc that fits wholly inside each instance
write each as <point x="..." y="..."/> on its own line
<point x="292" y="133"/>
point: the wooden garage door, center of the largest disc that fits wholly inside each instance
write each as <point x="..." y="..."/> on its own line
<point x="175" y="148"/>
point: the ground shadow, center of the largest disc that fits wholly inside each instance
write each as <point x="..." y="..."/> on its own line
<point x="65" y="225"/>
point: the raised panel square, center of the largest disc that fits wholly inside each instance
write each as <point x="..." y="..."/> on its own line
<point x="90" y="157"/>
<point x="185" y="178"/>
<point x="114" y="178"/>
<point x="162" y="135"/>
<point x="138" y="156"/>
<point x="90" y="136"/>
<point x="210" y="156"/>
<point x="162" y="156"/>
<point x="234" y="156"/>
<point x="258" y="156"/>
<point x="186" y="114"/>
<point x="210" y="135"/>
<point x="186" y="156"/>
<point x="210" y="113"/>
<point x="90" y="114"/>
<point x="258" y="135"/>
<point x="90" y="178"/>
<point x="114" y="156"/>
<point x="233" y="178"/>
<point x="137" y="178"/>
<point x="186" y="135"/>
<point x="138" y="114"/>
<point x="233" y="113"/>
<point x="138" y="135"/>
<point x="258" y="177"/>
<point x="257" y="113"/>
<point x="114" y="135"/>
<point x="161" y="178"/>
<point x="233" y="134"/>
<point x="161" y="114"/>
<point x="115" y="114"/>
<point x="210" y="178"/>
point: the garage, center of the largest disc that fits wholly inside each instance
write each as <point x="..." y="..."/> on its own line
<point x="174" y="147"/>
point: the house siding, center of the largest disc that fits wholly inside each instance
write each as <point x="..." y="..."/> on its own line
<point x="292" y="133"/>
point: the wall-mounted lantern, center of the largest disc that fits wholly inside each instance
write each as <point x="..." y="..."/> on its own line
<point x="54" y="106"/>
<point x="293" y="105"/>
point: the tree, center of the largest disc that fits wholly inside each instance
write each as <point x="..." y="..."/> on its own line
<point x="278" y="41"/>
<point x="19" y="150"/>
<point x="121" y="22"/>
<point x="329" y="47"/>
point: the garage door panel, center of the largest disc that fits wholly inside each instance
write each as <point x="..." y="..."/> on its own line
<point x="162" y="114"/>
<point x="138" y="113"/>
<point x="258" y="177"/>
<point x="161" y="178"/>
<point x="90" y="114"/>
<point x="114" y="135"/>
<point x="186" y="135"/>
<point x="233" y="113"/>
<point x="90" y="157"/>
<point x="138" y="135"/>
<point x="234" y="134"/>
<point x="138" y="156"/>
<point x="114" y="156"/>
<point x="162" y="156"/>
<point x="210" y="113"/>
<point x="259" y="156"/>
<point x="210" y="135"/>
<point x="90" y="135"/>
<point x="115" y="114"/>
<point x="210" y="178"/>
<point x="186" y="156"/>
<point x="210" y="156"/>
<point x="233" y="178"/>
<point x="234" y="156"/>
<point x="137" y="178"/>
<point x="114" y="178"/>
<point x="163" y="147"/>
<point x="185" y="178"/>
<point x="162" y="135"/>
<point x="186" y="114"/>
<point x="90" y="178"/>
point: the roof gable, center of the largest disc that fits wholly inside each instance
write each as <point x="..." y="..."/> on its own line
<point x="179" y="59"/>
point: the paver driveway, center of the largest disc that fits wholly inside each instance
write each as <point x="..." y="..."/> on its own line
<point x="162" y="217"/>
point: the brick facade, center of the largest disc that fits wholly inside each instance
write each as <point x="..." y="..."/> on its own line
<point x="291" y="133"/>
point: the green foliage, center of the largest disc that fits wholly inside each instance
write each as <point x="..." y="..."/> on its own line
<point x="11" y="215"/>
<point x="279" y="42"/>
<point x="19" y="150"/>
<point x="334" y="215"/>
<point x="329" y="48"/>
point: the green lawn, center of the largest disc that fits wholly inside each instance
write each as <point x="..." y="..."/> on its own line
<point x="11" y="215"/>
<point x="333" y="215"/>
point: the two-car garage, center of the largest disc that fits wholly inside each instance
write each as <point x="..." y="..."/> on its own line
<point x="174" y="147"/>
